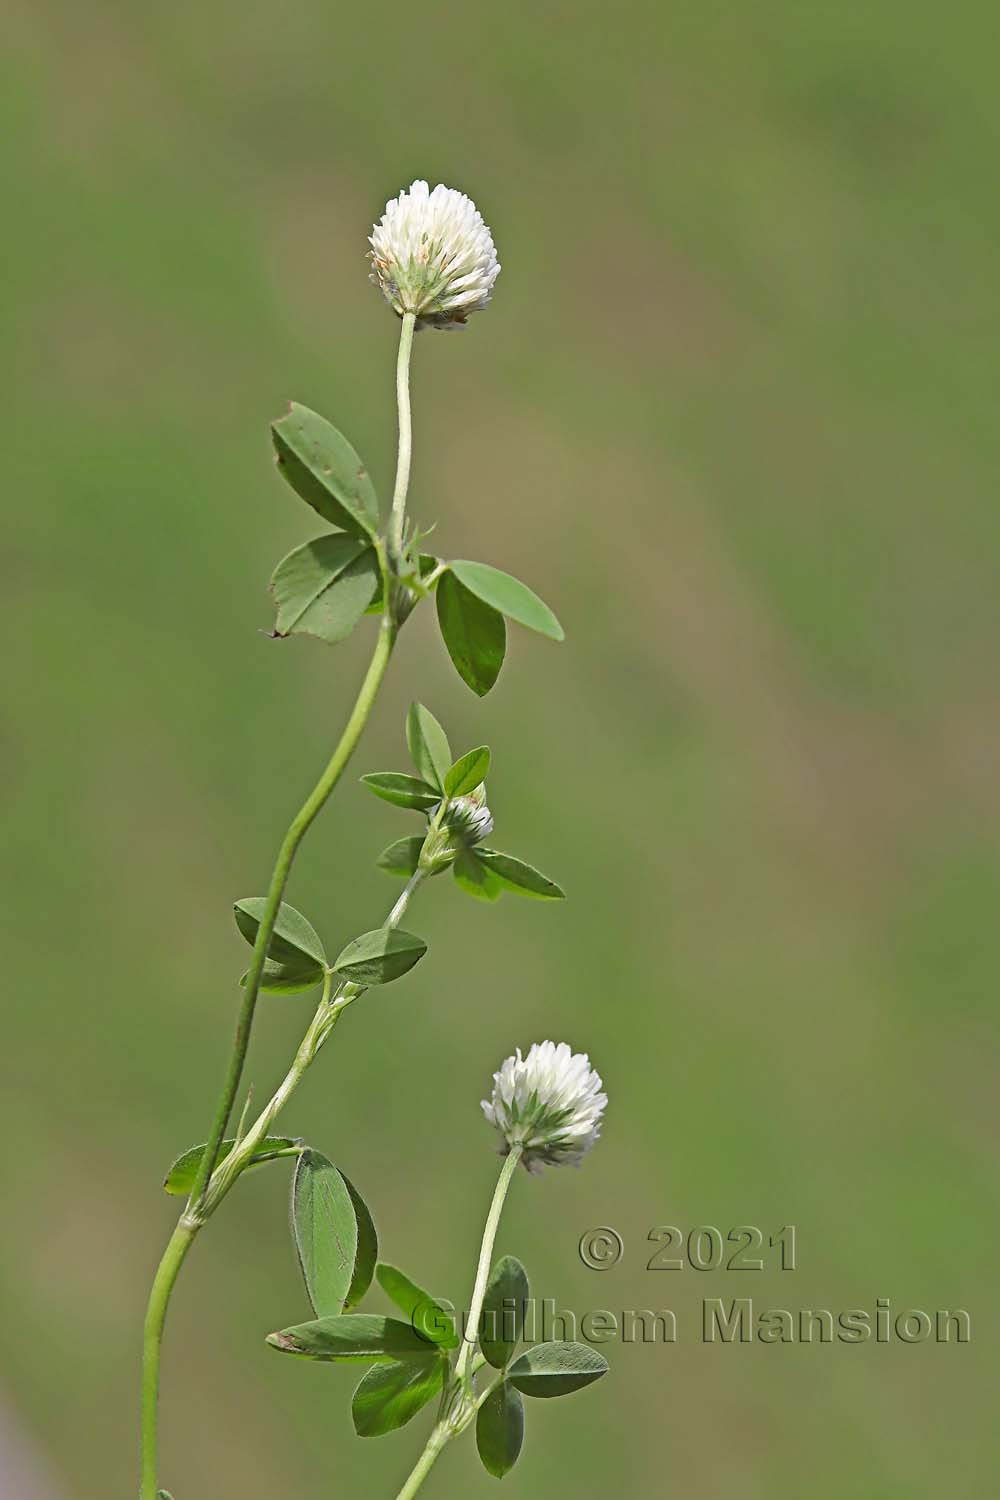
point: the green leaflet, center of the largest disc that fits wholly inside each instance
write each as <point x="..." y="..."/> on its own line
<point x="296" y="958"/>
<point x="324" y="587"/>
<point x="294" y="939"/>
<point x="556" y="1369"/>
<point x="473" y="632"/>
<point x="325" y="1230"/>
<point x="508" y="595"/>
<point x="424" y="1312"/>
<point x="402" y="790"/>
<point x="380" y="956"/>
<point x="352" y="1336"/>
<point x="500" y="1429"/>
<point x="476" y="878"/>
<point x="429" y="748"/>
<point x="181" y="1177"/>
<point x="390" y="1394"/>
<point x="502" y="1321"/>
<point x="468" y="772"/>
<point x="515" y="875"/>
<point x="402" y="857"/>
<point x="367" y="1255"/>
<point x="322" y="467"/>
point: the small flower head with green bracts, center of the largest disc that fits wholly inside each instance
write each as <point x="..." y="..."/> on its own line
<point x="456" y="826"/>
<point x="452" y="796"/>
<point x="549" y="1103"/>
<point x="433" y="256"/>
<point x="468" y="818"/>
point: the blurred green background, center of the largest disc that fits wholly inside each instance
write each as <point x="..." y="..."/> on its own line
<point x="732" y="414"/>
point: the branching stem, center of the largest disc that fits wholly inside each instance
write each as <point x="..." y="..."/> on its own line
<point x="209" y="1188"/>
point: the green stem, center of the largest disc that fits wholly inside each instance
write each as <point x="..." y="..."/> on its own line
<point x="398" y="515"/>
<point x="485" y="1261"/>
<point x="194" y="1214"/>
<point x="436" y="1443"/>
<point x="166" y="1274"/>
<point x="328" y="1013"/>
<point x="461" y="1402"/>
<point x="297" y="831"/>
<point x="223" y="1179"/>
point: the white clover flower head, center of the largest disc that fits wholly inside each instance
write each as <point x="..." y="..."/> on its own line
<point x="550" y="1103"/>
<point x="432" y="255"/>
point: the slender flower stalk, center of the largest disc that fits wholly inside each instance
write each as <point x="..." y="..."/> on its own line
<point x="461" y="1402"/>
<point x="549" y="1099"/>
<point x="548" y="1107"/>
<point x="405" y="451"/>
<point x="197" y="1209"/>
<point x="485" y="1260"/>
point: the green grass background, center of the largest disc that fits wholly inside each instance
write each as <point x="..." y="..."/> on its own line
<point x="733" y="414"/>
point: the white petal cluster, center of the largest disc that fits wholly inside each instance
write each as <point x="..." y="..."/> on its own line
<point x="469" y="817"/>
<point x="549" y="1102"/>
<point x="433" y="256"/>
